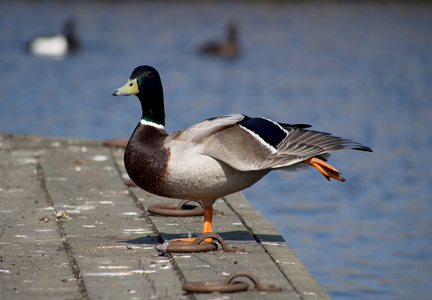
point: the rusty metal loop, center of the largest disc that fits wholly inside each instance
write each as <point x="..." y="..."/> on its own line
<point x="217" y="237"/>
<point x="120" y="142"/>
<point x="186" y="247"/>
<point x="214" y="286"/>
<point x="258" y="285"/>
<point x="180" y="210"/>
<point x="198" y="244"/>
<point x="228" y="285"/>
<point x="177" y="210"/>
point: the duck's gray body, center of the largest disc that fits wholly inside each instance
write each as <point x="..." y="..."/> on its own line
<point x="176" y="168"/>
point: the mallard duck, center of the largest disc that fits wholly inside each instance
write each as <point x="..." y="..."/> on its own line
<point x="56" y="44"/>
<point x="217" y="156"/>
<point x="228" y="47"/>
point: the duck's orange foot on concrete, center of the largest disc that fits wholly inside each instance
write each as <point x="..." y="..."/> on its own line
<point x="208" y="216"/>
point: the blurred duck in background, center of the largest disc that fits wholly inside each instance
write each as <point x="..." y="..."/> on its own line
<point x="55" y="44"/>
<point x="228" y="47"/>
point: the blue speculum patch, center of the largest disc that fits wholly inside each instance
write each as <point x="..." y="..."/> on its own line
<point x="269" y="131"/>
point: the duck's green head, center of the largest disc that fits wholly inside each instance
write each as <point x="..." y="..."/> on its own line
<point x="146" y="84"/>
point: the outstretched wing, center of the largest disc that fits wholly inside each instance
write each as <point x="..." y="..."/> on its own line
<point x="257" y="143"/>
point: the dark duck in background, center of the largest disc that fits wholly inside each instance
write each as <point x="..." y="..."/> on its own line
<point x="228" y="47"/>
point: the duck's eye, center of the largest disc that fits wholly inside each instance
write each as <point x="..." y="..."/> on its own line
<point x="149" y="74"/>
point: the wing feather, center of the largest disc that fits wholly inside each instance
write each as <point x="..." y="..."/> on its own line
<point x="224" y="139"/>
<point x="204" y="129"/>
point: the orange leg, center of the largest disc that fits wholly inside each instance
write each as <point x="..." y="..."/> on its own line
<point x="208" y="216"/>
<point x="325" y="169"/>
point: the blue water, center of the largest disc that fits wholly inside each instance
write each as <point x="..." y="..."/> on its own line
<point x="359" y="70"/>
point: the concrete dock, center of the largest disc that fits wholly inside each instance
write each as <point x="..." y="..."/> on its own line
<point x="72" y="229"/>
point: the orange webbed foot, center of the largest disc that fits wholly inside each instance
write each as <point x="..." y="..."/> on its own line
<point x="327" y="170"/>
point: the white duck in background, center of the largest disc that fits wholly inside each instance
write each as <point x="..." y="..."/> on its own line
<point x="55" y="44"/>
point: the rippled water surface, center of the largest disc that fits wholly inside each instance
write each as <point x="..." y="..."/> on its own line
<point x="359" y="70"/>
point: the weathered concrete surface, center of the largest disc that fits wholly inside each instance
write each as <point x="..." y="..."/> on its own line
<point x="71" y="229"/>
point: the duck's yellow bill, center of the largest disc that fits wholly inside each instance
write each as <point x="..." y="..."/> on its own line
<point x="130" y="88"/>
